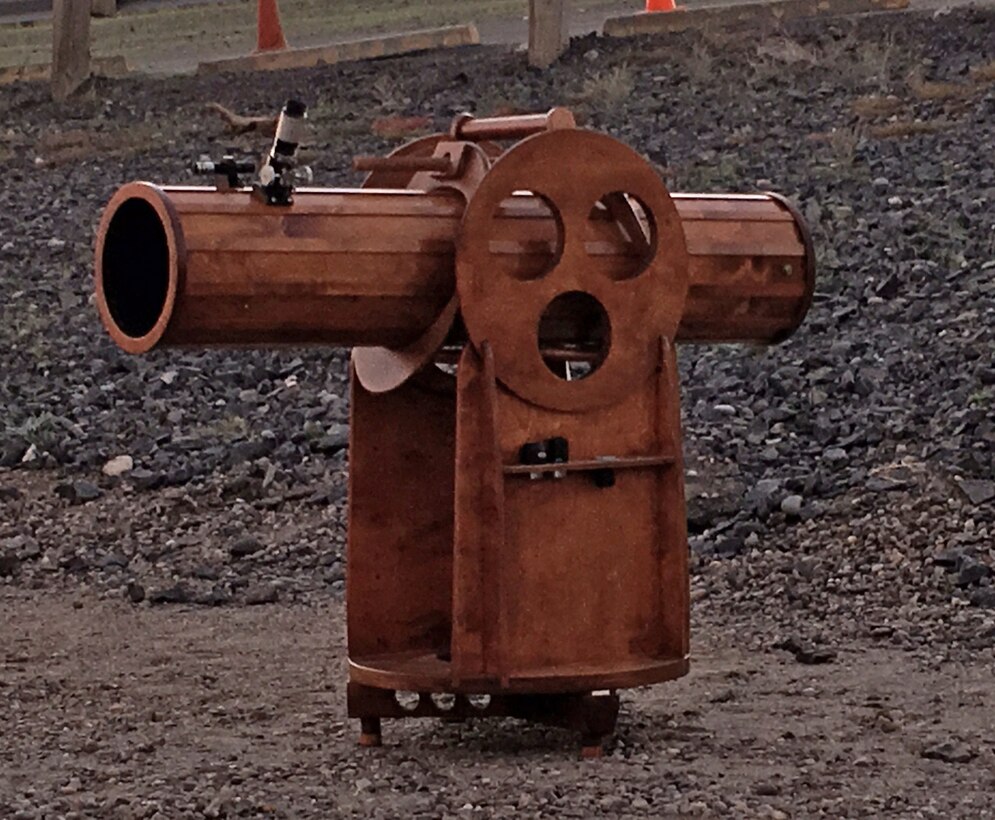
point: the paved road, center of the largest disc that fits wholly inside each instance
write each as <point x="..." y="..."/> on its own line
<point x="30" y="11"/>
<point x="495" y="31"/>
<point x="512" y="30"/>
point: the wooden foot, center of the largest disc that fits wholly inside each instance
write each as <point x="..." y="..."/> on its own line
<point x="591" y="748"/>
<point x="369" y="732"/>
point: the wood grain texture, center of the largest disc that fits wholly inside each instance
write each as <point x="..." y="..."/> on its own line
<point x="378" y="267"/>
<point x="401" y="459"/>
<point x="548" y="31"/>
<point x="70" y="46"/>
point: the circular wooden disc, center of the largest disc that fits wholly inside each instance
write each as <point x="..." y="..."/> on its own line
<point x="571" y="171"/>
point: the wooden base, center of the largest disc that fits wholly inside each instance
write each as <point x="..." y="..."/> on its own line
<point x="369" y="732"/>
<point x="423" y="672"/>
<point x="591" y="750"/>
<point x="593" y="716"/>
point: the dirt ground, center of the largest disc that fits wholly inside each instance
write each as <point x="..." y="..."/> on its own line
<point x="840" y="490"/>
<point x="112" y="711"/>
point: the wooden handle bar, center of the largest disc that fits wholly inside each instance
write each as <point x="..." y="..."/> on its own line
<point x="467" y="127"/>
<point x="402" y="163"/>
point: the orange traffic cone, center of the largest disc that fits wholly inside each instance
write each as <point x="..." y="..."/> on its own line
<point x="661" y="5"/>
<point x="269" y="32"/>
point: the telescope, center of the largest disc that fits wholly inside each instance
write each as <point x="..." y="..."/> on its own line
<point x="513" y="291"/>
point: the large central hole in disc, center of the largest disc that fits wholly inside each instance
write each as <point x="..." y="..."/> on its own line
<point x="574" y="335"/>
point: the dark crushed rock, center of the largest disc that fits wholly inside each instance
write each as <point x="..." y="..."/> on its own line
<point x="78" y="492"/>
<point x="113" y="560"/>
<point x="213" y="597"/>
<point x="792" y="506"/>
<point x="11" y="453"/>
<point x="246" y="545"/>
<point x="978" y="492"/>
<point x="983" y="598"/>
<point x="334" y="440"/>
<point x="972" y="572"/>
<point x="262" y="594"/>
<point x="950" y="751"/>
<point x="9" y="565"/>
<point x="142" y="479"/>
<point x="806" y="652"/>
<point x="135" y="593"/>
<point x="176" y="594"/>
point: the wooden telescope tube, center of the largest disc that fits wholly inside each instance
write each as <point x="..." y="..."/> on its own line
<point x="343" y="267"/>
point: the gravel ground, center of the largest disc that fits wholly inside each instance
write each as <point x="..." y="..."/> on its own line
<point x="841" y="500"/>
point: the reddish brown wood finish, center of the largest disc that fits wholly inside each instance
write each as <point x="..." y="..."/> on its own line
<point x="470" y="571"/>
<point x="328" y="271"/>
<point x="399" y="587"/>
<point x="467" y="127"/>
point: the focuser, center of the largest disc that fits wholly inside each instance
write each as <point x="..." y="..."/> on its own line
<point x="275" y="185"/>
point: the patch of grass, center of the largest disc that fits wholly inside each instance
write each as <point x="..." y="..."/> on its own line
<point x="908" y="128"/>
<point x="73" y="145"/>
<point x="843" y="142"/>
<point x="719" y="39"/>
<point x="503" y="107"/>
<point x="606" y="88"/>
<point x="45" y="430"/>
<point x="11" y="143"/>
<point x="985" y="397"/>
<point x="929" y="91"/>
<point x="229" y="428"/>
<point x="875" y="106"/>
<point x="725" y="172"/>
<point x="874" y="61"/>
<point x="786" y="51"/>
<point x="833" y="50"/>
<point x="983" y="74"/>
<point x="388" y="93"/>
<point x="700" y="63"/>
<point x="330" y="121"/>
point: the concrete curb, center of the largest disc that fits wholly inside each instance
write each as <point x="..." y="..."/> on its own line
<point x="753" y="14"/>
<point x="366" y="49"/>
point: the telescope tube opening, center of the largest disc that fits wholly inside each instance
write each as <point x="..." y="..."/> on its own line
<point x="136" y="267"/>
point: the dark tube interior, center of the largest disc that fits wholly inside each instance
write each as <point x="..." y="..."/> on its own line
<point x="135" y="268"/>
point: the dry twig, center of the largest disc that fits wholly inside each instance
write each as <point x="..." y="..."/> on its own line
<point x="238" y="124"/>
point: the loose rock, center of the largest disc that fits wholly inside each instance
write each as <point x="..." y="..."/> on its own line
<point x="950" y="751"/>
<point x="245" y="545"/>
<point x="78" y="492"/>
<point x="118" y="466"/>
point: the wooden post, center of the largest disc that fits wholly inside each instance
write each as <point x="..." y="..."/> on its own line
<point x="70" y="46"/>
<point x="548" y="31"/>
